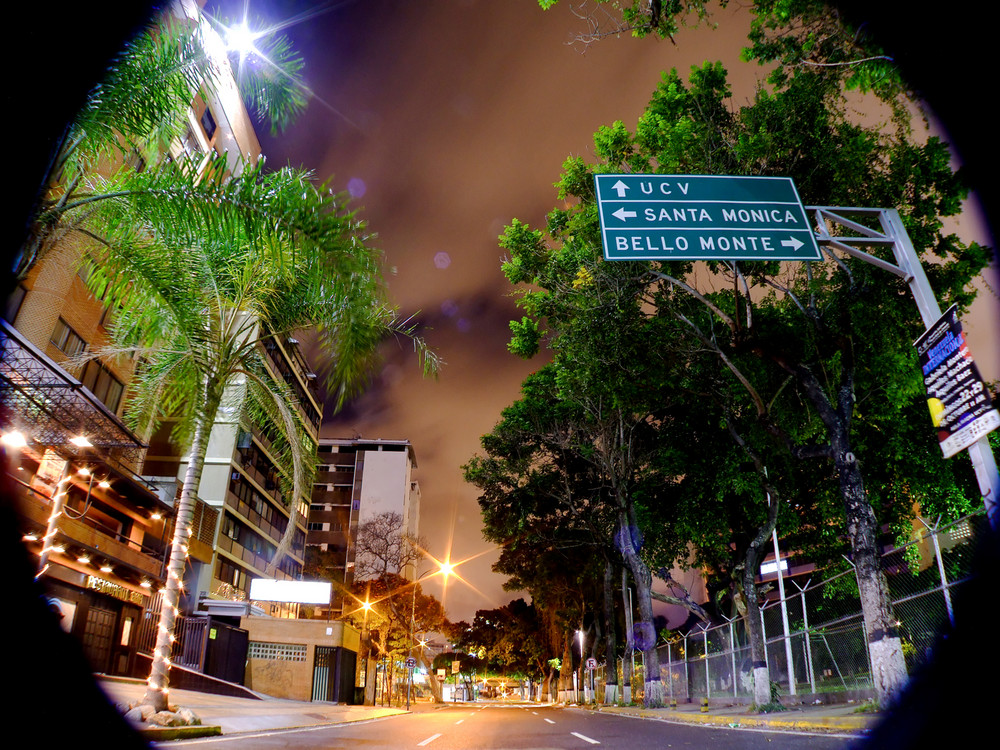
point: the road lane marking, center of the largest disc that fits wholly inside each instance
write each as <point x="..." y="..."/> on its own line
<point x="550" y="721"/>
<point x="460" y="721"/>
<point x="429" y="740"/>
<point x="535" y="713"/>
<point x="585" y="738"/>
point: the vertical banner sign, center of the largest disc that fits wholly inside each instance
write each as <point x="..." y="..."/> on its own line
<point x="956" y="395"/>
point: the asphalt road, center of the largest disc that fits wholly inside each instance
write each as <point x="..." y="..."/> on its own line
<point x="522" y="727"/>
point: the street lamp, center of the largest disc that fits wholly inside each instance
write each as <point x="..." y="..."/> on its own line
<point x="580" y="635"/>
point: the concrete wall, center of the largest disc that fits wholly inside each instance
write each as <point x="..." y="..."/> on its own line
<point x="292" y="679"/>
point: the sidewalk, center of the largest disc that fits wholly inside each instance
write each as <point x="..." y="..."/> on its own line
<point x="227" y="715"/>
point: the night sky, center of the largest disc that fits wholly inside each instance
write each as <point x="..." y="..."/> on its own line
<point x="446" y="119"/>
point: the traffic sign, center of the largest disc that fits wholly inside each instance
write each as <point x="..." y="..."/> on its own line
<point x="411" y="662"/>
<point x="702" y="217"/>
<point x="591" y="663"/>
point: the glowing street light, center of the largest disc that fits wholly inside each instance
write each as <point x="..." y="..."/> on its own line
<point x="14" y="439"/>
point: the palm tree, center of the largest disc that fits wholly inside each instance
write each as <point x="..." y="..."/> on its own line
<point x="134" y="114"/>
<point x="205" y="264"/>
<point x="197" y="299"/>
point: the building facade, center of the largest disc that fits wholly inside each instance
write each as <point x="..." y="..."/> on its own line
<point x="356" y="480"/>
<point x="73" y="468"/>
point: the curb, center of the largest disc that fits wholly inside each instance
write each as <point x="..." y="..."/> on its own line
<point x="858" y="724"/>
<point x="163" y="734"/>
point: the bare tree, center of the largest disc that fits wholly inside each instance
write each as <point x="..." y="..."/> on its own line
<point x="384" y="546"/>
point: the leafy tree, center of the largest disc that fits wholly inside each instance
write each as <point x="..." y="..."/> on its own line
<point x="510" y="639"/>
<point x="383" y="553"/>
<point x="795" y="349"/>
<point x="810" y="35"/>
<point x="547" y="501"/>
<point x="389" y="611"/>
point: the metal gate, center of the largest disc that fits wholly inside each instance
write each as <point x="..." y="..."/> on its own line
<point x="333" y="674"/>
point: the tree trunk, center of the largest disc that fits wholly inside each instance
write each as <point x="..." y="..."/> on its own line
<point x="645" y="631"/>
<point x="610" y="644"/>
<point x="755" y="632"/>
<point x="566" y="673"/>
<point x="432" y="678"/>
<point x="884" y="645"/>
<point x="371" y="676"/>
<point x="157" y="684"/>
<point x="888" y="663"/>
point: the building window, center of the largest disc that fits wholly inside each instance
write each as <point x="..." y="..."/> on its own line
<point x="277" y="651"/>
<point x="191" y="148"/>
<point x="14" y="301"/>
<point x="108" y="316"/>
<point x="208" y="123"/>
<point x="135" y="160"/>
<point x="99" y="380"/>
<point x="66" y="340"/>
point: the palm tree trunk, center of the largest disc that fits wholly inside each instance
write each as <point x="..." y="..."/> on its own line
<point x="156" y="685"/>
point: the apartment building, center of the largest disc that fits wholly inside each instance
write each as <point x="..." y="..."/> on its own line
<point x="356" y="480"/>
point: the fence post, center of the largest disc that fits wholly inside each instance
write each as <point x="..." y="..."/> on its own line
<point x="864" y="631"/>
<point x="805" y="634"/>
<point x="708" y="682"/>
<point x="784" y="612"/>
<point x="940" y="564"/>
<point x="732" y="654"/>
<point x="687" y="676"/>
<point x="670" y="671"/>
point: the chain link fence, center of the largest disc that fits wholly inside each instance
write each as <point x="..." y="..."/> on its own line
<point x="827" y="650"/>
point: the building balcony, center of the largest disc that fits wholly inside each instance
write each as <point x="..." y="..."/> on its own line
<point x="89" y="537"/>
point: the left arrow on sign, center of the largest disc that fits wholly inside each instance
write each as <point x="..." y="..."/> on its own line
<point x="622" y="214"/>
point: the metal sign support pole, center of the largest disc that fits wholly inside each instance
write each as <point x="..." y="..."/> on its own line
<point x="908" y="268"/>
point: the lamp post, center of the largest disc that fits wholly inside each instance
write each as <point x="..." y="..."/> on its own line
<point x="444" y="569"/>
<point x="579" y="634"/>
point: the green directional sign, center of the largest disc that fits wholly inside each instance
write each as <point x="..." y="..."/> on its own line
<point x="702" y="217"/>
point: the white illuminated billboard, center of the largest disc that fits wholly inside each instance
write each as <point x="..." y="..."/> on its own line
<point x="298" y="592"/>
